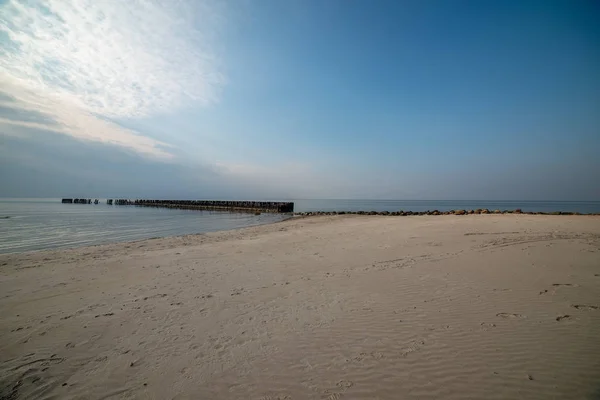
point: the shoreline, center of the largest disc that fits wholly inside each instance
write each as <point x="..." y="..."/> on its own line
<point x="294" y="216"/>
<point x="320" y="307"/>
<point x="303" y="215"/>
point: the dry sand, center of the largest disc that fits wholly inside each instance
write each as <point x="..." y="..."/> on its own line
<point x="469" y="307"/>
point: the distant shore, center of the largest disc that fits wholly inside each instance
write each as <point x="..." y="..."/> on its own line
<point x="324" y="307"/>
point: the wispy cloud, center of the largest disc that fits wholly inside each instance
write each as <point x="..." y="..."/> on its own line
<point x="86" y="62"/>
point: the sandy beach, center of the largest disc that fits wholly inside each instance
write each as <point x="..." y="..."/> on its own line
<point x="335" y="307"/>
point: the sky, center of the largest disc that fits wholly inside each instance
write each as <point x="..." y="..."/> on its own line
<point x="300" y="99"/>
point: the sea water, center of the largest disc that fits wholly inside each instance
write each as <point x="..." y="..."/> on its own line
<point x="38" y="224"/>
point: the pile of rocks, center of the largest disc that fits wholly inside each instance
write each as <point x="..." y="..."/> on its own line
<point x="434" y="212"/>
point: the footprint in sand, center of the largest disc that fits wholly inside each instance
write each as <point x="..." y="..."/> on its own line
<point x="561" y="317"/>
<point x="509" y="315"/>
<point x="105" y="315"/>
<point x="565" y="284"/>
<point x="344" y="384"/>
<point x="585" y="307"/>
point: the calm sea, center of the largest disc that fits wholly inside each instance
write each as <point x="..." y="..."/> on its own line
<point x="37" y="224"/>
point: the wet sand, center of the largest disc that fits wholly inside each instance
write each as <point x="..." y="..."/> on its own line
<point x="342" y="307"/>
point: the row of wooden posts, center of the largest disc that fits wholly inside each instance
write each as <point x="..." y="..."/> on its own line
<point x="216" y="205"/>
<point x="79" y="201"/>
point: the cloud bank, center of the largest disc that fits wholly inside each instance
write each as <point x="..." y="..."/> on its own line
<point x="87" y="63"/>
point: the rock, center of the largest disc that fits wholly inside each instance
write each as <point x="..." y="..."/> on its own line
<point x="460" y="212"/>
<point x="517" y="211"/>
<point x="497" y="212"/>
<point x="478" y="211"/>
<point x="485" y="211"/>
<point x="471" y="212"/>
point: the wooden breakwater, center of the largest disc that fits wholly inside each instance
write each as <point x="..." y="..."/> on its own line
<point x="79" y="201"/>
<point x="210" y="205"/>
<point x="218" y="205"/>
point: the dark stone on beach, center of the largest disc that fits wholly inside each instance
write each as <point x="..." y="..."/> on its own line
<point x="430" y="212"/>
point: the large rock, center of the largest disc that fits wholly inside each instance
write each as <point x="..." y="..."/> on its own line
<point x="485" y="211"/>
<point x="460" y="212"/>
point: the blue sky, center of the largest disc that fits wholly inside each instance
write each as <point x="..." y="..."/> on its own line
<point x="300" y="99"/>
